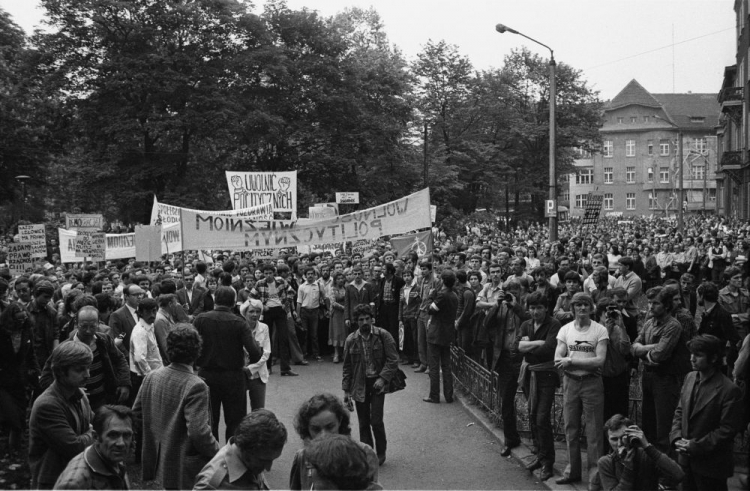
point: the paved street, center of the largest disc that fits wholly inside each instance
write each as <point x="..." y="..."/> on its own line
<point x="429" y="446"/>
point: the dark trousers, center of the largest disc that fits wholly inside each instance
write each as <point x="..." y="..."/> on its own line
<point x="507" y="384"/>
<point x="698" y="482"/>
<point x="616" y="395"/>
<point x="388" y="317"/>
<point x="440" y="358"/>
<point x="256" y="389"/>
<point x="410" y="340"/>
<point x="275" y="318"/>
<point x="227" y="389"/>
<point x="540" y="416"/>
<point x="661" y="393"/>
<point x="324" y="324"/>
<point x="309" y="320"/>
<point x="370" y="416"/>
<point x="135" y="385"/>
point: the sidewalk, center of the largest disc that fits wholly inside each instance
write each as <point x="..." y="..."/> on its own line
<point x="524" y="456"/>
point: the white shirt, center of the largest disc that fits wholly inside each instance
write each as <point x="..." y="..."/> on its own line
<point x="144" y="352"/>
<point x="132" y="312"/>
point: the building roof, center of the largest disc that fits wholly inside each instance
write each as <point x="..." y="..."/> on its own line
<point x="633" y="93"/>
<point x="685" y="110"/>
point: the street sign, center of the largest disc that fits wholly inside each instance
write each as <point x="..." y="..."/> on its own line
<point x="550" y="208"/>
<point x="347" y="198"/>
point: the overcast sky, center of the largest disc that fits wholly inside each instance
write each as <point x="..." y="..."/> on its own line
<point x="611" y="41"/>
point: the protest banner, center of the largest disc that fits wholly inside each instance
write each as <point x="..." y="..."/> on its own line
<point x="249" y="189"/>
<point x="19" y="258"/>
<point x="362" y="247"/>
<point x="321" y="212"/>
<point x="90" y="245"/>
<point x="162" y="213"/>
<point x="421" y="243"/>
<point x="36" y="236"/>
<point x="593" y="209"/>
<point x="148" y="243"/>
<point x="336" y="249"/>
<point x="171" y="238"/>
<point x="347" y="198"/>
<point x="90" y="223"/>
<point x="207" y="231"/>
<point x="120" y="246"/>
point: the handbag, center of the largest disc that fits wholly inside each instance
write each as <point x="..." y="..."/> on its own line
<point x="398" y="381"/>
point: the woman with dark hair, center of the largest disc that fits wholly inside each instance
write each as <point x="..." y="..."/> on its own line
<point x="18" y="370"/>
<point x="323" y="414"/>
<point x="339" y="463"/>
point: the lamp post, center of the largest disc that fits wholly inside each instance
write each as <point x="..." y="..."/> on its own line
<point x="552" y="103"/>
<point x="22" y="179"/>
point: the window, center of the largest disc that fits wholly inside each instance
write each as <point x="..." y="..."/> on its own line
<point x="633" y="119"/>
<point x="699" y="144"/>
<point x="609" y="201"/>
<point x="699" y="172"/>
<point x="630" y="175"/>
<point x="630" y="148"/>
<point x="646" y="119"/>
<point x="650" y="147"/>
<point x="608" y="148"/>
<point x="582" y="153"/>
<point x="585" y="176"/>
<point x="697" y="119"/>
<point x="581" y="200"/>
<point x="608" y="175"/>
<point x="664" y="175"/>
<point x="630" y="201"/>
<point x="565" y="196"/>
<point x="620" y="120"/>
<point x="650" y="177"/>
<point x="664" y="148"/>
<point x="652" y="203"/>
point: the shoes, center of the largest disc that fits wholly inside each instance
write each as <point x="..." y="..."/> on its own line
<point x="568" y="480"/>
<point x="422" y="368"/>
<point x="534" y="465"/>
<point x="405" y="362"/>
<point x="381" y="459"/>
<point x="430" y="399"/>
<point x="303" y="362"/>
<point x="289" y="373"/>
<point x="318" y="358"/>
<point x="336" y="359"/>
<point x="415" y="365"/>
<point x="505" y="452"/>
<point x="448" y="400"/>
<point x="546" y="472"/>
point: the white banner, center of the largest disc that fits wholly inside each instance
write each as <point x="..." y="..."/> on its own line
<point x="171" y="238"/>
<point x="90" y="245"/>
<point x="164" y="214"/>
<point x="249" y="189"/>
<point x="321" y="212"/>
<point x="117" y="246"/>
<point x="19" y="258"/>
<point x="208" y="231"/>
<point x="347" y="198"/>
<point x="34" y="235"/>
<point x="90" y="223"/>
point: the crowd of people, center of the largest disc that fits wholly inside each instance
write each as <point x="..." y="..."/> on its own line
<point x="101" y="361"/>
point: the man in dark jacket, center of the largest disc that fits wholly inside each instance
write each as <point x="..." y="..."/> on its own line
<point x="388" y="300"/>
<point x="441" y="332"/>
<point x="43" y="321"/>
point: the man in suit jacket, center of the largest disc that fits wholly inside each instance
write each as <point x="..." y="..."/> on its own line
<point x="191" y="296"/>
<point x="707" y="418"/>
<point x="122" y="320"/>
<point x="173" y="405"/>
<point x="388" y="299"/>
<point x="441" y="332"/>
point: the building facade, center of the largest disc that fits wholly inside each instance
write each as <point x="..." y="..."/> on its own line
<point x="638" y="168"/>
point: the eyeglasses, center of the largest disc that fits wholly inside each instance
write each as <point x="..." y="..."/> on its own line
<point x="139" y="295"/>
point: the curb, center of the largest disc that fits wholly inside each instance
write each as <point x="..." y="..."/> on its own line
<point x="522" y="454"/>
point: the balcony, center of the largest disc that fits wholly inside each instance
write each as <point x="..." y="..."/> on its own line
<point x="731" y="160"/>
<point x="731" y="96"/>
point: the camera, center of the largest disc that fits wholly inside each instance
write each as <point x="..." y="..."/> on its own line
<point x="613" y="314"/>
<point x="631" y="441"/>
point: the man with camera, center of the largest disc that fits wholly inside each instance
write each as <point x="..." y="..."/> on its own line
<point x="615" y="373"/>
<point x="633" y="463"/>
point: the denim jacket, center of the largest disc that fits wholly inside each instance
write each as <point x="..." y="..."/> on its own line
<point x="385" y="357"/>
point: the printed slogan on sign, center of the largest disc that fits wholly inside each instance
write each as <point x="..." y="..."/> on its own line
<point x="248" y="189"/>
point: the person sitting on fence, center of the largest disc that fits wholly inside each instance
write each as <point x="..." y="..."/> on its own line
<point x="633" y="463"/>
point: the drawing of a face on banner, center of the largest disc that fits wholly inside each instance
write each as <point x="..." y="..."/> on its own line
<point x="249" y="189"/>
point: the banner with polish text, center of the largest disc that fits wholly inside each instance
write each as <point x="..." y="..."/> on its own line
<point x="117" y="246"/>
<point x="164" y="214"/>
<point x="250" y="189"/>
<point x="210" y="231"/>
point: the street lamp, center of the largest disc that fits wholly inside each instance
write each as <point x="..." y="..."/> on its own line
<point x="680" y="222"/>
<point x="552" y="103"/>
<point x="22" y="179"/>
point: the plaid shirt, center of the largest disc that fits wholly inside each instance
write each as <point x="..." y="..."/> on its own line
<point x="261" y="288"/>
<point x="88" y="470"/>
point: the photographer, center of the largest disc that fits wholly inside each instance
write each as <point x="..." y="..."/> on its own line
<point x="633" y="463"/>
<point x="615" y="374"/>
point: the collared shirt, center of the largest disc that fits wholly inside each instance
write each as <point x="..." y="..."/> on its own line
<point x="132" y="313"/>
<point x="325" y="286"/>
<point x="227" y="465"/>
<point x="366" y="347"/>
<point x="308" y="295"/>
<point x="144" y="352"/>
<point x="665" y="333"/>
<point x="89" y="470"/>
<point x="490" y="293"/>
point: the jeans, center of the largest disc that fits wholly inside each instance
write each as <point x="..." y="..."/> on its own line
<point x="540" y="416"/>
<point x="661" y="393"/>
<point x="227" y="389"/>
<point x="507" y="385"/>
<point x="388" y="320"/>
<point x="422" y="337"/>
<point x="309" y="319"/>
<point x="440" y="358"/>
<point x="410" y="340"/>
<point x="370" y="415"/>
<point x="275" y="318"/>
<point x="256" y="389"/>
<point x="583" y="398"/>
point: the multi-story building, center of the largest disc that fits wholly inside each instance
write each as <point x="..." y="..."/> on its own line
<point x="733" y="180"/>
<point x="638" y="168"/>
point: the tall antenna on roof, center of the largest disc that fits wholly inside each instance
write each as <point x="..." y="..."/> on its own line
<point x="673" y="67"/>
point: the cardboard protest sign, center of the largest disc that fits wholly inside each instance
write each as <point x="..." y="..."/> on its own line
<point x="421" y="243"/>
<point x="207" y="231"/>
<point x="362" y="247"/>
<point x="248" y="189"/>
<point x="36" y="236"/>
<point x="91" y="245"/>
<point x="19" y="258"/>
<point x="593" y="209"/>
<point x="120" y="246"/>
<point x="148" y="243"/>
<point x="347" y="198"/>
<point x="163" y="214"/>
<point x="171" y="238"/>
<point x="321" y="212"/>
<point x="90" y="223"/>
